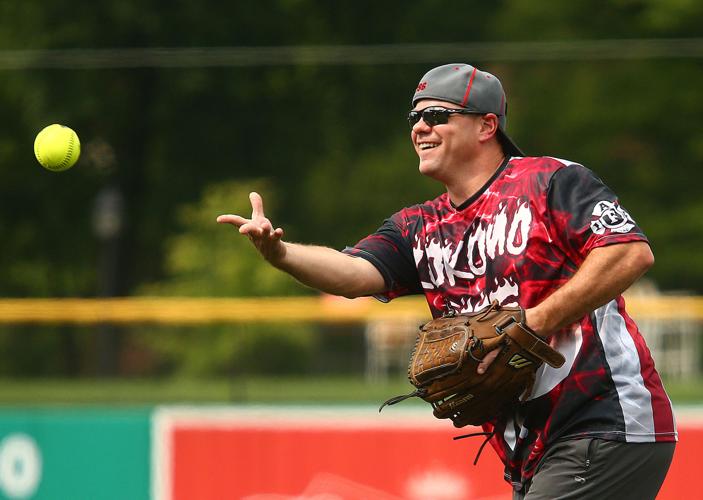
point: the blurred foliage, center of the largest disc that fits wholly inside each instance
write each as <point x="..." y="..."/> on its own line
<point x="226" y="350"/>
<point x="211" y="260"/>
<point x="46" y="351"/>
<point x="207" y="260"/>
<point x="328" y="143"/>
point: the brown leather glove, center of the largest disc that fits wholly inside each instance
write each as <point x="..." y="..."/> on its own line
<point x="449" y="349"/>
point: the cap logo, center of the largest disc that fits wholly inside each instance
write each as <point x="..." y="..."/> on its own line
<point x="421" y="87"/>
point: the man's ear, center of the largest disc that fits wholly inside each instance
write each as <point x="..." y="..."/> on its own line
<point x="489" y="126"/>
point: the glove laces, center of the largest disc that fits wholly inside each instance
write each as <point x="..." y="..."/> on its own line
<point x="397" y="399"/>
<point x="488" y="435"/>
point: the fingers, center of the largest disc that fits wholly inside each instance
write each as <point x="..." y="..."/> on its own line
<point x="261" y="230"/>
<point x="257" y="205"/>
<point x="235" y="220"/>
<point x="250" y="229"/>
<point x="257" y="212"/>
<point x="266" y="225"/>
<point x="258" y="227"/>
<point x="486" y="361"/>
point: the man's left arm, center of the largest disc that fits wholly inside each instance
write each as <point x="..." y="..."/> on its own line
<point x="592" y="228"/>
<point x="604" y="274"/>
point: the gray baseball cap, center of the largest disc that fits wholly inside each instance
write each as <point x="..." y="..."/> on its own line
<point x="469" y="88"/>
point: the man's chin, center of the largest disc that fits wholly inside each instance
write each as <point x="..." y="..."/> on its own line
<point x="428" y="169"/>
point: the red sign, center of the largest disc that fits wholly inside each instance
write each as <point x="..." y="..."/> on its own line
<point x="279" y="454"/>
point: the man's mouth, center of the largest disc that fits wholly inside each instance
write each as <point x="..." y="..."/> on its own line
<point x="427" y="145"/>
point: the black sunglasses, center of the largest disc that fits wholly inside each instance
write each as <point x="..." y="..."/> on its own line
<point x="437" y="116"/>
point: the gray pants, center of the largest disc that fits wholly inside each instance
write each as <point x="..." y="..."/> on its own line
<point x="597" y="469"/>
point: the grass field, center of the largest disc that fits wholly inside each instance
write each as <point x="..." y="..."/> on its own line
<point x="235" y="390"/>
<point x="246" y="390"/>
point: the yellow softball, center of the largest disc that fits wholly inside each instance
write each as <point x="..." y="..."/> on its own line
<point x="57" y="147"/>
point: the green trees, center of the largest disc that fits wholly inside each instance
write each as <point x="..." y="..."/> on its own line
<point x="178" y="138"/>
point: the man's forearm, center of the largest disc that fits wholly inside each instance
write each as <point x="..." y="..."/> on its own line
<point x="605" y="274"/>
<point x="329" y="270"/>
<point x="318" y="267"/>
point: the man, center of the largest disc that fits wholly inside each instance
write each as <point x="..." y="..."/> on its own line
<point x="538" y="232"/>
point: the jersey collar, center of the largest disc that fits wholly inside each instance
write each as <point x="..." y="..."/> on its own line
<point x="478" y="193"/>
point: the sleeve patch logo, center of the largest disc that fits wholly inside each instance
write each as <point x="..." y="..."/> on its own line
<point x="609" y="216"/>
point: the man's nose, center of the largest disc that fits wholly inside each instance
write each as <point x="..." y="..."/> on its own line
<point x="421" y="126"/>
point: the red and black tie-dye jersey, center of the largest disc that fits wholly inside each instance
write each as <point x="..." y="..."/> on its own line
<point x="517" y="240"/>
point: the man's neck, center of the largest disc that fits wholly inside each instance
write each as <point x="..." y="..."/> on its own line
<point x="474" y="177"/>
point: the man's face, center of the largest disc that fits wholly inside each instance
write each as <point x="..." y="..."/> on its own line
<point x="443" y="147"/>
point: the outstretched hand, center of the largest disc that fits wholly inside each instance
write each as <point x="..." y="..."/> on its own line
<point x="259" y="229"/>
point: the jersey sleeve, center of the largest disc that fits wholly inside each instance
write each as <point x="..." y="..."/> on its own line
<point x="392" y="255"/>
<point x="586" y="213"/>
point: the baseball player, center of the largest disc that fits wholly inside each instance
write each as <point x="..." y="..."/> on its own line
<point x="541" y="233"/>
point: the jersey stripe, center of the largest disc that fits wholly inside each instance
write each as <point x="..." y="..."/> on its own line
<point x="664" y="422"/>
<point x="624" y="361"/>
